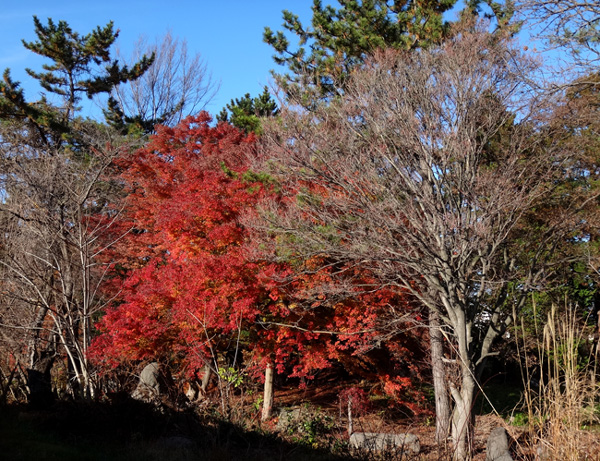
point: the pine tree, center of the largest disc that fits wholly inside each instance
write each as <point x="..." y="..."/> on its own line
<point x="81" y="66"/>
<point x="339" y="39"/>
<point x="245" y="113"/>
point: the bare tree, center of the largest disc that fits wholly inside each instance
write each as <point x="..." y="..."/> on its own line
<point x="53" y="191"/>
<point x="53" y="230"/>
<point x="420" y="173"/>
<point x="568" y="24"/>
<point x="175" y="86"/>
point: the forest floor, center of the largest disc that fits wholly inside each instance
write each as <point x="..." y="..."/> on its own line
<point x="131" y="430"/>
<point x="499" y="408"/>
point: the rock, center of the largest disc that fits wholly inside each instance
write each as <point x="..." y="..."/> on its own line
<point x="374" y="441"/>
<point x="497" y="446"/>
<point x="543" y="452"/>
<point x="149" y="387"/>
<point x="288" y="418"/>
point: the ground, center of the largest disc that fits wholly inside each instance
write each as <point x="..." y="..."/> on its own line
<point x="123" y="429"/>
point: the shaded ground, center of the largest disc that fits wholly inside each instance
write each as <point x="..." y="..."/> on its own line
<point x="131" y="430"/>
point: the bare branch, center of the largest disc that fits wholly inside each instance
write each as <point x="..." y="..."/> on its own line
<point x="420" y="174"/>
<point x="572" y="25"/>
<point x="175" y="86"/>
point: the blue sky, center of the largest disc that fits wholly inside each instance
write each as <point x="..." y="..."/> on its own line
<point x="228" y="35"/>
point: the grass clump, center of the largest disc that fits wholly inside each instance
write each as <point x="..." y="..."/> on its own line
<point x="560" y="397"/>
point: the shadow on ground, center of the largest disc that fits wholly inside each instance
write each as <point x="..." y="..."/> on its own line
<point x="134" y="430"/>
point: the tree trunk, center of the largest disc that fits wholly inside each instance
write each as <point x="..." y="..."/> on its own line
<point x="350" y="422"/>
<point x="440" y="386"/>
<point x="268" y="396"/>
<point x="462" y="416"/>
<point x="42" y="354"/>
<point x="463" y="392"/>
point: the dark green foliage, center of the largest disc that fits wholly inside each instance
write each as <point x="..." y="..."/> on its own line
<point x="576" y="128"/>
<point x="73" y="55"/>
<point x="245" y="113"/>
<point x="80" y="66"/>
<point x="136" y="126"/>
<point x="339" y="39"/>
<point x="502" y="13"/>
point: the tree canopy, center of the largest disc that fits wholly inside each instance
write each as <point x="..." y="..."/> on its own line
<point x="415" y="192"/>
<point x="396" y="176"/>
<point x="81" y="65"/>
<point x="245" y="113"/>
<point x="340" y="39"/>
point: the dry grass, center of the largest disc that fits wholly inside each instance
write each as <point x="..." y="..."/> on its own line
<point x="561" y="401"/>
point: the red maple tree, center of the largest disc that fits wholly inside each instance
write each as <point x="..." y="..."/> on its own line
<point x="188" y="284"/>
<point x="187" y="276"/>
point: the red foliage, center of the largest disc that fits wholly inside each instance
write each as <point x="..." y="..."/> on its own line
<point x="189" y="278"/>
<point x="186" y="287"/>
<point x="358" y="399"/>
<point x="328" y="329"/>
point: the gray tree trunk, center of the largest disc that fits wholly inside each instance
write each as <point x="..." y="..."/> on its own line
<point x="440" y="386"/>
<point x="462" y="418"/>
<point x="463" y="393"/>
